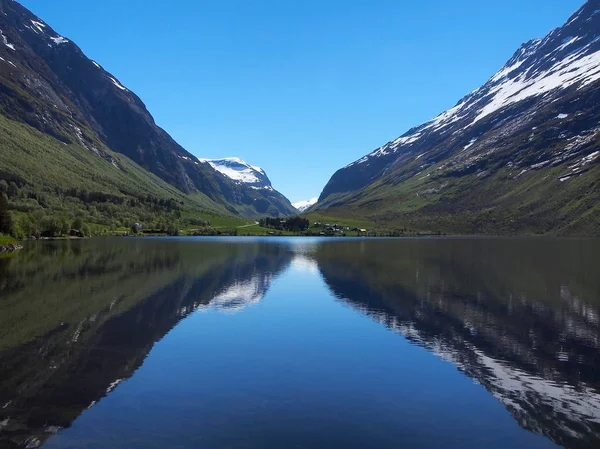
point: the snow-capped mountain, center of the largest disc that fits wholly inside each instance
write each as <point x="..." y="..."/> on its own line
<point x="532" y="127"/>
<point x="303" y="205"/>
<point x="240" y="171"/>
<point x="257" y="197"/>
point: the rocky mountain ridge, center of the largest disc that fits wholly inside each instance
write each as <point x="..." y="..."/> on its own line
<point x="531" y="131"/>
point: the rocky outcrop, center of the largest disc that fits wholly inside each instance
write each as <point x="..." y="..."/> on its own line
<point x="12" y="247"/>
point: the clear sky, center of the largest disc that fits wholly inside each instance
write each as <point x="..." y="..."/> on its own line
<point x="299" y="87"/>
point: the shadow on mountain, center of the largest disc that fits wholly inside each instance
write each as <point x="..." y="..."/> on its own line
<point x="77" y="318"/>
<point x="520" y="317"/>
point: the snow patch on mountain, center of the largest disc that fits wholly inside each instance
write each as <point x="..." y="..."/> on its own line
<point x="58" y="40"/>
<point x="5" y="41"/>
<point x="240" y="171"/>
<point x="39" y="26"/>
<point x="303" y="205"/>
<point x="579" y="67"/>
<point x="116" y="83"/>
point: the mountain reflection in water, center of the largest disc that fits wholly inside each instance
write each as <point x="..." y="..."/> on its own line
<point x="520" y="317"/>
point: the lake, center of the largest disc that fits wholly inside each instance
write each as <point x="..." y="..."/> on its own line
<point x="264" y="343"/>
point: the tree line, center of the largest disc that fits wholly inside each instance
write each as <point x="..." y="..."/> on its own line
<point x="292" y="224"/>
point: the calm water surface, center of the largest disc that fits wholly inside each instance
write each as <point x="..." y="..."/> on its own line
<point x="300" y="343"/>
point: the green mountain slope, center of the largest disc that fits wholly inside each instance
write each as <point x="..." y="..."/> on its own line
<point x="44" y="176"/>
<point x="103" y="138"/>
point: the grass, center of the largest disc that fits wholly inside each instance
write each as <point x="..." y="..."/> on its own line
<point x="534" y="204"/>
<point x="7" y="240"/>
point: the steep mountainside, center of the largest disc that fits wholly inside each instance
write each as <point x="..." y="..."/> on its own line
<point x="47" y="83"/>
<point x="258" y="190"/>
<point x="520" y="154"/>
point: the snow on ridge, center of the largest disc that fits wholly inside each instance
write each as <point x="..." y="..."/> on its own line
<point x="303" y="205"/>
<point x="577" y="68"/>
<point x="58" y="40"/>
<point x="116" y="83"/>
<point x="470" y="144"/>
<point x="39" y="26"/>
<point x="195" y="160"/>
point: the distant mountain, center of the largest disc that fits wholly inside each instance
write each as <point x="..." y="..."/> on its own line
<point x="520" y="154"/>
<point x="257" y="189"/>
<point x="303" y="205"/>
<point x="49" y="88"/>
<point x="240" y="171"/>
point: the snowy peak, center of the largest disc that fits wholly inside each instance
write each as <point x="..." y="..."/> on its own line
<point x="241" y="172"/>
<point x="303" y="205"/>
<point x="253" y="187"/>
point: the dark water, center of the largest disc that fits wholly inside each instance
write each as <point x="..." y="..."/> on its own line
<point x="283" y="343"/>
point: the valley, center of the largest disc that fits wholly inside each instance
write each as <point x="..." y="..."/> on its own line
<point x="80" y="153"/>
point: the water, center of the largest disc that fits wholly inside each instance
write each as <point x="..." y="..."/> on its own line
<point x="300" y="343"/>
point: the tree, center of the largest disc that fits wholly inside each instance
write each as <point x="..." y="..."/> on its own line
<point x="29" y="226"/>
<point x="64" y="226"/>
<point x="6" y="223"/>
<point x="135" y="228"/>
<point x="51" y="227"/>
<point x="172" y="229"/>
<point x="77" y="224"/>
<point x="13" y="190"/>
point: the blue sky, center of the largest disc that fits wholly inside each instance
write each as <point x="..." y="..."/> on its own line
<point x="299" y="87"/>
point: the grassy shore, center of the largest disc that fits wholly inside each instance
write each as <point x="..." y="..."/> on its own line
<point x="7" y="240"/>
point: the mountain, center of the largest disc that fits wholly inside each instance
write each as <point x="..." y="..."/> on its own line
<point x="303" y="205"/>
<point x="258" y="191"/>
<point x="90" y="131"/>
<point x="518" y="155"/>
